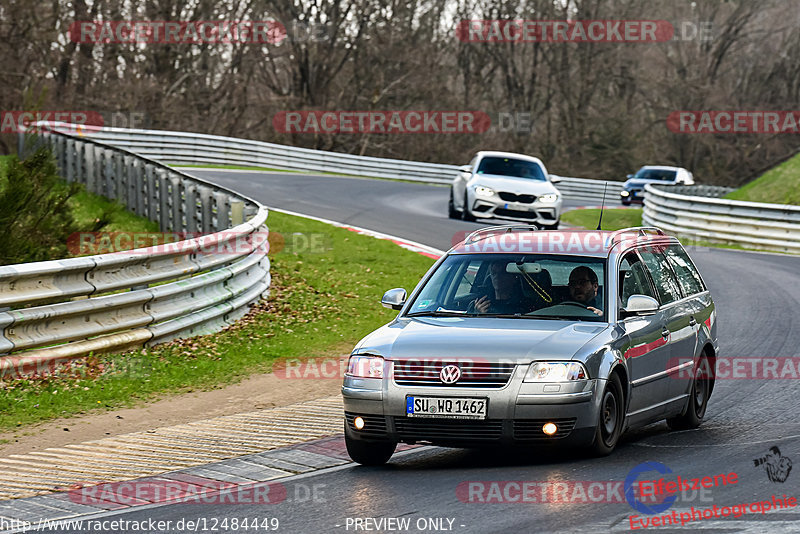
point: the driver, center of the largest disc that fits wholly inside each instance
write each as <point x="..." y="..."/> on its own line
<point x="506" y="295"/>
<point x="583" y="288"/>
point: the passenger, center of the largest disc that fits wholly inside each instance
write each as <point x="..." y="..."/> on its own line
<point x="583" y="288"/>
<point x="505" y="296"/>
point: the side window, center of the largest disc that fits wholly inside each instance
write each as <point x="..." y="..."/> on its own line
<point x="467" y="280"/>
<point x="688" y="277"/>
<point x="633" y="278"/>
<point x="661" y="273"/>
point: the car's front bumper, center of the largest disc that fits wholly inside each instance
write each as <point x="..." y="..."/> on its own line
<point x="516" y="413"/>
<point x="543" y="213"/>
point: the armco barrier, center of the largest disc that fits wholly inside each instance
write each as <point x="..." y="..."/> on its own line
<point x="62" y="309"/>
<point x="682" y="210"/>
<point x="181" y="148"/>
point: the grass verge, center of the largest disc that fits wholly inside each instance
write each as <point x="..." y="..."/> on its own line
<point x="613" y="219"/>
<point x="779" y="185"/>
<point x="322" y="301"/>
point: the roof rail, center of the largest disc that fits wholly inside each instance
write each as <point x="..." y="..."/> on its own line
<point x="641" y="230"/>
<point x="500" y="229"/>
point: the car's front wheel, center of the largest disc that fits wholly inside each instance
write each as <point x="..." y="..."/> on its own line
<point x="698" y="399"/>
<point x="612" y="415"/>
<point x="465" y="213"/>
<point x="452" y="212"/>
<point x="368" y="452"/>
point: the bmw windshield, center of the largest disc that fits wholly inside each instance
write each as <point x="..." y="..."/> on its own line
<point x="655" y="174"/>
<point x="525" y="286"/>
<point x="516" y="168"/>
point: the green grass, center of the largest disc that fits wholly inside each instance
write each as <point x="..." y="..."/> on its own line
<point x="3" y="163"/>
<point x="613" y="219"/>
<point x="779" y="185"/>
<point x="322" y="302"/>
<point x="88" y="208"/>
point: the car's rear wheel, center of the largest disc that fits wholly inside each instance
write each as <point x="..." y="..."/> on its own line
<point x="612" y="415"/>
<point x="452" y="212"/>
<point x="368" y="452"/>
<point x="698" y="399"/>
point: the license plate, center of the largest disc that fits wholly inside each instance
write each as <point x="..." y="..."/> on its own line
<point x="449" y="407"/>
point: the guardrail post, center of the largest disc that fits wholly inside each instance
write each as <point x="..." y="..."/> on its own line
<point x="237" y="213"/>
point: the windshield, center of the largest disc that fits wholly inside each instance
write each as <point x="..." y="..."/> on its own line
<point x="511" y="167"/>
<point x="525" y="286"/>
<point x="656" y="174"/>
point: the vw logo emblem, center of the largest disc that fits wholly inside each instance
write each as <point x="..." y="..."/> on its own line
<point x="450" y="374"/>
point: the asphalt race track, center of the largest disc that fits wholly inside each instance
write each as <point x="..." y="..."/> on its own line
<point x="757" y="297"/>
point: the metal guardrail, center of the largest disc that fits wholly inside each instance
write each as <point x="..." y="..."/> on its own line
<point x="683" y="210"/>
<point x="182" y="148"/>
<point x="74" y="307"/>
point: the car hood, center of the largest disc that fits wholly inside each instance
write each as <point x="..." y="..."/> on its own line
<point x="639" y="183"/>
<point x="480" y="338"/>
<point x="513" y="185"/>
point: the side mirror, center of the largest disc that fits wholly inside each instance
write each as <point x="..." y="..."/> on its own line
<point x="640" y="305"/>
<point x="394" y="298"/>
<point x="554" y="179"/>
<point x="465" y="168"/>
<point x="630" y="176"/>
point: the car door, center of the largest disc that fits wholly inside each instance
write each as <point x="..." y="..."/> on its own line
<point x="675" y="315"/>
<point x="696" y="310"/>
<point x="646" y="350"/>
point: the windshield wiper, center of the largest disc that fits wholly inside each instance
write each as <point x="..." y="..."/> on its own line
<point x="440" y="313"/>
<point x="558" y="317"/>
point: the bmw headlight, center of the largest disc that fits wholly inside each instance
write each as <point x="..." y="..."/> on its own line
<point x="483" y="191"/>
<point x="556" y="372"/>
<point x="624" y="194"/>
<point x="365" y="366"/>
<point x="550" y="197"/>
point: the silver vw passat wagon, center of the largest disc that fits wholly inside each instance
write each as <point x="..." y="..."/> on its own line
<point x="521" y="336"/>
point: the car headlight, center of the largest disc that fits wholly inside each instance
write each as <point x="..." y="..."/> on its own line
<point x="365" y="366"/>
<point x="550" y="197"/>
<point x="483" y="191"/>
<point x="556" y="372"/>
<point x="625" y="194"/>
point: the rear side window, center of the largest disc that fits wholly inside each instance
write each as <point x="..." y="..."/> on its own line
<point x="662" y="275"/>
<point x="688" y="277"/>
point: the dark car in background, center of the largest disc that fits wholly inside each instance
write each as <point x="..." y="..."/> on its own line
<point x="633" y="189"/>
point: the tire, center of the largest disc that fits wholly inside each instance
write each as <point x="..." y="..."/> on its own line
<point x="452" y="212"/>
<point x="466" y="215"/>
<point x="610" y="419"/>
<point x="698" y="399"/>
<point x="368" y="452"/>
<point x="628" y="203"/>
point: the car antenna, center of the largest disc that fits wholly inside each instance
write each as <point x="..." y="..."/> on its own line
<point x="602" y="206"/>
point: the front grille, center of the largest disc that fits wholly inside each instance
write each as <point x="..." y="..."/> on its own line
<point x="511" y="197"/>
<point x="374" y="425"/>
<point x="531" y="429"/>
<point x="502" y="212"/>
<point x="474" y="374"/>
<point x="447" y="429"/>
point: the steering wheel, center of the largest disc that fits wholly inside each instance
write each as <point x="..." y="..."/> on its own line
<point x="574" y="303"/>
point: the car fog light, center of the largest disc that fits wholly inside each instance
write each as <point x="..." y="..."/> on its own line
<point x="358" y="422"/>
<point x="624" y="194"/>
<point x="549" y="429"/>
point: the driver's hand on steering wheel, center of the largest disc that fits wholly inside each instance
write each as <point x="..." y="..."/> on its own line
<point x="594" y="310"/>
